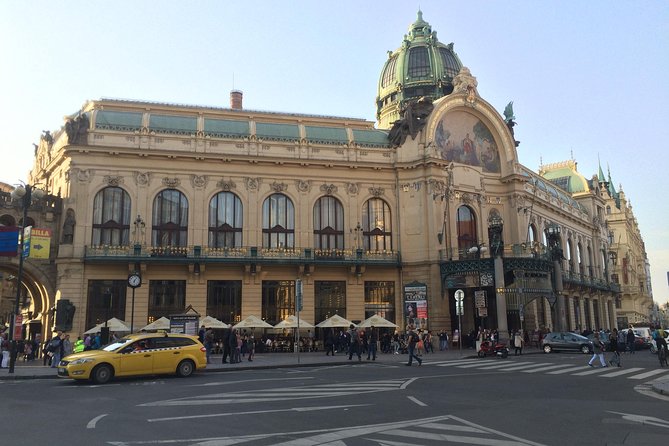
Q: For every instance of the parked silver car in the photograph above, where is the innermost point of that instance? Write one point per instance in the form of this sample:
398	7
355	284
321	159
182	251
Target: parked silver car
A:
565	341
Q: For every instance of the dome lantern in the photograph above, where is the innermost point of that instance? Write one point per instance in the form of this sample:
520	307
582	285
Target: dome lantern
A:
421	67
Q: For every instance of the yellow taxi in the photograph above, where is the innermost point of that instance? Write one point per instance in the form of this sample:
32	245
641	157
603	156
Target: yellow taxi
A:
135	355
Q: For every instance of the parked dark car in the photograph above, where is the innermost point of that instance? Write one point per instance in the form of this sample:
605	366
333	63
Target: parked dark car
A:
566	341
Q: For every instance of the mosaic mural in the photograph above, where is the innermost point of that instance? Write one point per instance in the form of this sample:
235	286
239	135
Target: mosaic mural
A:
463	138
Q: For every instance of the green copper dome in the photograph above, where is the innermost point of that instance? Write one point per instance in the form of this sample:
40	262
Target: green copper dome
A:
422	66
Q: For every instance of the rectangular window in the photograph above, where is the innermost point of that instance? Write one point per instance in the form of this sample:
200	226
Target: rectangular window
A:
106	299
278	300
166	297
380	299
330	299
224	300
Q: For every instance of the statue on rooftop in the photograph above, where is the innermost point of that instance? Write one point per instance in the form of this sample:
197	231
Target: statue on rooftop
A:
413	120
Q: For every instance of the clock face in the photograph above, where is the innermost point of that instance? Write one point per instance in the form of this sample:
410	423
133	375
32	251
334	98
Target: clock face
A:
134	280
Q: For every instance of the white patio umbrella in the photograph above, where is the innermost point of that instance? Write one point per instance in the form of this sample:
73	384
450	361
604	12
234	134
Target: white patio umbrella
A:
114	325
252	322
376	321
334	321
291	322
159	324
212	322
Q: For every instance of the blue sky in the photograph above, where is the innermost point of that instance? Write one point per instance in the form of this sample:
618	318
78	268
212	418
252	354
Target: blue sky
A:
589	80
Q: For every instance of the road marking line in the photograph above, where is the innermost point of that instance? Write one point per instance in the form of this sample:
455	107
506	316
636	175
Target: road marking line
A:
570	369
543	369
524	366
91	424
417	401
622	372
647	374
504	364
593	371
253	412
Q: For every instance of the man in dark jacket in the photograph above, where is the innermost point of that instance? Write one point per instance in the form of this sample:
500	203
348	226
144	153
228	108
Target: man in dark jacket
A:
630	339
226	345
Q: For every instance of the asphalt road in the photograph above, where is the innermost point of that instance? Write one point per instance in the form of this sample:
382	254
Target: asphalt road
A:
531	400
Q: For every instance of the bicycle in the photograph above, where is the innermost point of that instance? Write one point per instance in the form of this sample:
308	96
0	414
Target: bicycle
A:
662	355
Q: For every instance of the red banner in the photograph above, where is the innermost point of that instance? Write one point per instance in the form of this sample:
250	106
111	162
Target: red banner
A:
18	327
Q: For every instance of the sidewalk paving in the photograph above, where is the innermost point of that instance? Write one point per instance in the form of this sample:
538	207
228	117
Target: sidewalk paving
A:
35	370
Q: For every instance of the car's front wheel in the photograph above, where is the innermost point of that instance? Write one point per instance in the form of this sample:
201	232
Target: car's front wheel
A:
185	368
102	374
548	348
585	349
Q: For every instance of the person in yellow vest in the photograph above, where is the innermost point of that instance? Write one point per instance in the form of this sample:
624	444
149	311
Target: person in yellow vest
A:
78	345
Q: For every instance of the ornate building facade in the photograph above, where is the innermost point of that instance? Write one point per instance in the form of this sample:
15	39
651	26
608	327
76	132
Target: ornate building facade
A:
223	209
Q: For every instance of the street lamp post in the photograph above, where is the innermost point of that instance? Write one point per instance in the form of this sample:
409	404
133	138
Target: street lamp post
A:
555	245
24	194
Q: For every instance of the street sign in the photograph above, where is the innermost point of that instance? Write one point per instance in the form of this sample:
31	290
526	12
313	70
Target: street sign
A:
298	294
459	307
479	298
18	327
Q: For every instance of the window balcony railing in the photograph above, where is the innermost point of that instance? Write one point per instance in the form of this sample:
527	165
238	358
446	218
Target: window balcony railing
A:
247	253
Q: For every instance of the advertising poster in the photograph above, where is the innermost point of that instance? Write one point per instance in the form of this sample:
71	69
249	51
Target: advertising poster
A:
9	240
415	305
40	243
186	324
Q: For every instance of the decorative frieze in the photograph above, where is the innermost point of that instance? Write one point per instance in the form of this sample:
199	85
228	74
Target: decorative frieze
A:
279	187
226	186
303	185
198	181
251	183
171	182
142	178
376	191
352	188
328	189
113	180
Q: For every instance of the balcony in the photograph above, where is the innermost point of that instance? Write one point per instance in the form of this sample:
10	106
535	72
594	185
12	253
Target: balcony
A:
250	254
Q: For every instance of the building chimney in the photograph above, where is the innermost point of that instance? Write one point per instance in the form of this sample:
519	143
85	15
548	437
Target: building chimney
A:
236	99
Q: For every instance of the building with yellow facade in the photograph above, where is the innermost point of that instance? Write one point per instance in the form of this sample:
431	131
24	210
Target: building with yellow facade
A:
223	209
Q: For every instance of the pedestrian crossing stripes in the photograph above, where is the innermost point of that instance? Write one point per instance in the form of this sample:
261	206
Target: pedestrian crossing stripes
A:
287	393
549	368
431	431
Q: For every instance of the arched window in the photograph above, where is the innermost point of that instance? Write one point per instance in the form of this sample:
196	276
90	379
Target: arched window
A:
377	234
111	217
579	258
328	224
7	220
278	222
170	219
225	221
570	254
531	234
466	228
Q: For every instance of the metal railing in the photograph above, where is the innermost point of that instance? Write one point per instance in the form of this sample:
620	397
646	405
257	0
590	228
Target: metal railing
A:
247	253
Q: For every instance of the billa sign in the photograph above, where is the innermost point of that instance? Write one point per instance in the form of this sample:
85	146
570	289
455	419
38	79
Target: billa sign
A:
40	243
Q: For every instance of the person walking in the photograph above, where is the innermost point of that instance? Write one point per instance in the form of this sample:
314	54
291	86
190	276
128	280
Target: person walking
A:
208	338
412	340
599	352
614	347
630	339
373	340
518	342
226	345
56	349
79	345
329	342
251	347
354	343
